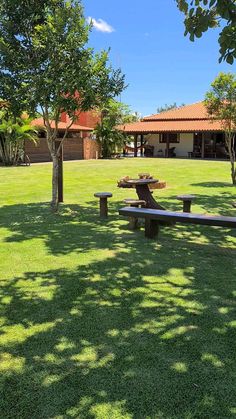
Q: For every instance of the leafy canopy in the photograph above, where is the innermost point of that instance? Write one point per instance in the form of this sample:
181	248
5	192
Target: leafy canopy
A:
13	133
220	102
200	15
113	113
45	60
168	107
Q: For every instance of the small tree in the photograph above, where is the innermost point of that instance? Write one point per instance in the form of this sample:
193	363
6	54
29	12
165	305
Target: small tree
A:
169	107
46	65
200	15
107	133
13	133
220	102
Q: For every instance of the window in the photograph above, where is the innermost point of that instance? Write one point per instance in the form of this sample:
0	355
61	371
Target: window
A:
169	136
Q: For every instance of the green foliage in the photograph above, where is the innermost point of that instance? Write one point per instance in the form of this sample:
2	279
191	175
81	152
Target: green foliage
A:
13	133
112	114
200	15
45	62
221	105
167	107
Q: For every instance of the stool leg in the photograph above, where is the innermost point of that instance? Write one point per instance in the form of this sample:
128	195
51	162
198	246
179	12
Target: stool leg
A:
133	222
151	228
187	206
103	208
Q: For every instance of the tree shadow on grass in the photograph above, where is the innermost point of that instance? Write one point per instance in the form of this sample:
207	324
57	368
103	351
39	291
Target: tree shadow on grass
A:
116	340
146	332
220	204
214	184
78	228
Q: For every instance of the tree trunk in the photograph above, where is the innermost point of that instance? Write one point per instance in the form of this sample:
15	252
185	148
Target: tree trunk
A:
233	171
230	142
55	164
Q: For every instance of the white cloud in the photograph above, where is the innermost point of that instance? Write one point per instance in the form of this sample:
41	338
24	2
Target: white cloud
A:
100	25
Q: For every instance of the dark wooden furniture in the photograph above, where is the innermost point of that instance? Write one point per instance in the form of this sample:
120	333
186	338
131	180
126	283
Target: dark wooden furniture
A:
148	150
187	201
143	191
103	196
154	218
135	203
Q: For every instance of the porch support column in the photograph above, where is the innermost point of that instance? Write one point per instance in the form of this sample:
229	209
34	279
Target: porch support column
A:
203	145
142	145
167	146
135	145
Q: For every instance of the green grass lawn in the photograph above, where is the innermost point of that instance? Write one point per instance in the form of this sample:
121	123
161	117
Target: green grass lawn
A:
100	322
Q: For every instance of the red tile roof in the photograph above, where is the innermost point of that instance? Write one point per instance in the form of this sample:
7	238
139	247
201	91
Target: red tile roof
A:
171	126
190	118
61	126
194	111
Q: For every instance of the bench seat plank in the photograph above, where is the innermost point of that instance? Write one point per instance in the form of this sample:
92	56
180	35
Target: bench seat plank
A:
179	217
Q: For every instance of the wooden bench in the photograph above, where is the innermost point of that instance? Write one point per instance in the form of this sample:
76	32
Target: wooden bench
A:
153	219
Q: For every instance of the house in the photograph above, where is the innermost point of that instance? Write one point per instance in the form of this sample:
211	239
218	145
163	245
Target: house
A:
78	145
187	131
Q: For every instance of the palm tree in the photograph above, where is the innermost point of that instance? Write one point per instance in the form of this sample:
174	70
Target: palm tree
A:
13	133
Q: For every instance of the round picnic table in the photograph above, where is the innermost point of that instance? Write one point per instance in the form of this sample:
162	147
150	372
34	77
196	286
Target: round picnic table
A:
143	192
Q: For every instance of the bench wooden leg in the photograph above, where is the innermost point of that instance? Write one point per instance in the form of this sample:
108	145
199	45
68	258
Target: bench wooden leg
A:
151	228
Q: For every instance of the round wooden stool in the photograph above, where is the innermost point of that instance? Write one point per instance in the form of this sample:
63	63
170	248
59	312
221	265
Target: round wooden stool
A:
133	222
187	201
103	196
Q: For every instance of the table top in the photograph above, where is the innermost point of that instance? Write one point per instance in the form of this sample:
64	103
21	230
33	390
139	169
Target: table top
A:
141	181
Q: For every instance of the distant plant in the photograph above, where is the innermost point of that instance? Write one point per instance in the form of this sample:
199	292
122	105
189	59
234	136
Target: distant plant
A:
220	102
13	133
113	114
200	15
167	107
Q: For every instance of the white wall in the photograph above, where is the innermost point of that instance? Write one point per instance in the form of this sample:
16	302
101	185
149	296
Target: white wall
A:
181	149
185	145
153	139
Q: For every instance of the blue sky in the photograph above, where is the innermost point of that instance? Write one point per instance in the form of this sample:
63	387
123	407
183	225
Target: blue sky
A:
147	41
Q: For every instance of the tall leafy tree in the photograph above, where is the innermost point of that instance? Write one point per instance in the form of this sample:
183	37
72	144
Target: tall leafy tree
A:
46	65
200	15
221	105
113	114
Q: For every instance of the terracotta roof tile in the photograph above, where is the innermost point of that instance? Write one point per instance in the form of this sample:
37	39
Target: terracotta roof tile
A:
61	126
171	126
194	111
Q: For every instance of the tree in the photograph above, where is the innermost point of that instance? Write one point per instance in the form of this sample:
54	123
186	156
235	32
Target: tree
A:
200	15
46	66
167	107
220	102
13	133
113	114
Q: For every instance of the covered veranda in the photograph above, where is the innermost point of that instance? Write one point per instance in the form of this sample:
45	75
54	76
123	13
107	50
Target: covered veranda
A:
193	139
